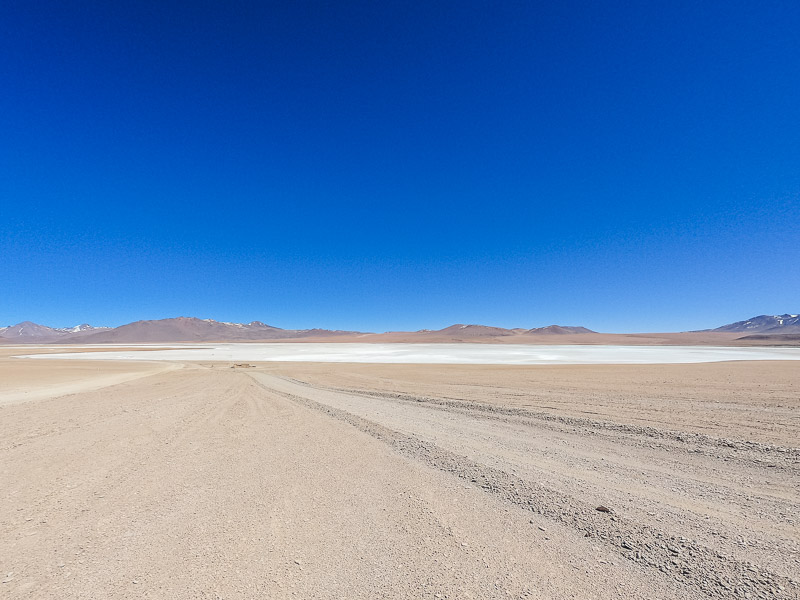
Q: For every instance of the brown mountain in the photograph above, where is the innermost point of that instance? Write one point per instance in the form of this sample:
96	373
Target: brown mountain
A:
190	329
180	329
28	332
322	333
472	331
558	330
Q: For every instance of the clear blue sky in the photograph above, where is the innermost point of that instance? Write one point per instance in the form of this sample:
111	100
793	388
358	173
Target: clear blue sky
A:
400	165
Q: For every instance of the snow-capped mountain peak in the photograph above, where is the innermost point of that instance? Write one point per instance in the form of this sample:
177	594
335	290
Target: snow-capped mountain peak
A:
81	327
787	323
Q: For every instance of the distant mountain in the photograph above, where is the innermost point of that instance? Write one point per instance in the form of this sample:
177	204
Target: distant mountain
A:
185	329
84	328
558	330
470	331
191	329
316	332
765	324
462	332
28	332
180	329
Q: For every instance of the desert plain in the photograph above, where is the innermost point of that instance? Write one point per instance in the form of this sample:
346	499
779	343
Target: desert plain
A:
215	479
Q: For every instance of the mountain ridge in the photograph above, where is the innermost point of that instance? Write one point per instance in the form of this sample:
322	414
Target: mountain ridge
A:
558	330
28	330
786	323
193	329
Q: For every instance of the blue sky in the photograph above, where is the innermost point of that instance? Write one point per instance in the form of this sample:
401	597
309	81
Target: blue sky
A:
382	166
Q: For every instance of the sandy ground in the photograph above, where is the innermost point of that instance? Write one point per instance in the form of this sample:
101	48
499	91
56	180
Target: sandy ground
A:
758	401
297	480
22	380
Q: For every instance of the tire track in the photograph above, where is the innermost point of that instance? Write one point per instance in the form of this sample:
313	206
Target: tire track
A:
694	565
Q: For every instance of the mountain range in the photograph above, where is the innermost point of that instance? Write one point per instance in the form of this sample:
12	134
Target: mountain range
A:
191	329
180	329
28	332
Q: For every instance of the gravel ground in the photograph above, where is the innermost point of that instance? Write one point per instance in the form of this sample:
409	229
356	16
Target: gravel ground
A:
258	482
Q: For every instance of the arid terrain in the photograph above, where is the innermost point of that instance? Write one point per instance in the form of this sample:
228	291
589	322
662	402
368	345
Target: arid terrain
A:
310	480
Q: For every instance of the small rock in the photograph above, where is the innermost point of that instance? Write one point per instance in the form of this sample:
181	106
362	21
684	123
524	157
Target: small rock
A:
542	528
603	509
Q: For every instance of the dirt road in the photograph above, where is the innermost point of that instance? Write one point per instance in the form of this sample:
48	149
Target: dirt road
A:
227	483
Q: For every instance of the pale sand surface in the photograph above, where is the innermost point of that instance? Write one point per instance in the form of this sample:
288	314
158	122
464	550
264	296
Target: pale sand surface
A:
299	480
22	380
